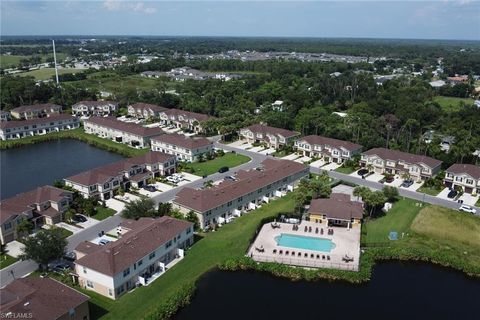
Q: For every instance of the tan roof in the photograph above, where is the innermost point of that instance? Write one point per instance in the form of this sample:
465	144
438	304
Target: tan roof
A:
142	106
92	103
136	129
183	141
21	123
44	298
247	181
470	169
338	206
260	128
187	114
26	201
395	155
324	141
116	256
36	107
104	173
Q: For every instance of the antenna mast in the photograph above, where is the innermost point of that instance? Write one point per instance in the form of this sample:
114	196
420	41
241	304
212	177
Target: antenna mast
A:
55	61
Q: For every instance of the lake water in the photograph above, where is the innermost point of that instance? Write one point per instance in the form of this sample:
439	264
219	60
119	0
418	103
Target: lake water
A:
28	167
397	291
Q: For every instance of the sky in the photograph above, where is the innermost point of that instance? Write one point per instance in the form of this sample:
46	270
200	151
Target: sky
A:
434	19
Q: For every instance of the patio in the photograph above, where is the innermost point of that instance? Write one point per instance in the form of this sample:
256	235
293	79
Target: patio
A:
346	241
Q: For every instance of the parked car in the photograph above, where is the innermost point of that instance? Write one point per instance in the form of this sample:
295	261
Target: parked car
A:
70	256
389	179
229	178
60	266
407	183
103	242
223	169
173	179
362	172
79	218
468	209
452	194
150	188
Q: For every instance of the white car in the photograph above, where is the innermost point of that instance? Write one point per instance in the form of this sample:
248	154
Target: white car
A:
468	209
173	179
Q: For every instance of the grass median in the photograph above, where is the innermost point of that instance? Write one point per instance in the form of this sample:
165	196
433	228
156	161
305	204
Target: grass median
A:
209	167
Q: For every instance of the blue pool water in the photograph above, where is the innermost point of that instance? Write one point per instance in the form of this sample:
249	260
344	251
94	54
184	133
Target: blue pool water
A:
304	242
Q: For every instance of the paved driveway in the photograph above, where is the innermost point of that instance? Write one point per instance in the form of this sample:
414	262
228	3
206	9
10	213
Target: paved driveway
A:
469	199
257	149
267	151
292	156
317	164
331	166
14	248
115	204
373	177
395	183
414	186
69	227
443	194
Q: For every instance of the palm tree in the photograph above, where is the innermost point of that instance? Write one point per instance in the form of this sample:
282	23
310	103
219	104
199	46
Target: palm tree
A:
69	215
369	167
24	228
207	184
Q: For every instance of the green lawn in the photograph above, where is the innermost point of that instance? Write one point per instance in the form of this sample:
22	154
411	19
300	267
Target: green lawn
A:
398	219
6	260
103	213
429	190
211	166
47	73
66	233
9	61
345	170
451	103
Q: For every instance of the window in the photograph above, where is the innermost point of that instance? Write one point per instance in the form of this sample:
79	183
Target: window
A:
110	292
126	272
115	183
25	127
152	255
169	244
140	262
458	179
106	185
89	284
93	188
189	230
240	199
84	270
229	203
8	226
469	181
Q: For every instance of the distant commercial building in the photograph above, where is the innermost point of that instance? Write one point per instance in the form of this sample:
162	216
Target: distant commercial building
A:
273	137
183	147
464	176
132	134
94	108
27	128
329	149
145	110
35	111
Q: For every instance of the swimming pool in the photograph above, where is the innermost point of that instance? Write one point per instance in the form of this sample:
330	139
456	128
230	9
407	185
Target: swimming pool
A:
304	242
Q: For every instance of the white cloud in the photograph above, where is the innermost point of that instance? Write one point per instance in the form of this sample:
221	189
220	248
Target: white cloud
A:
119	5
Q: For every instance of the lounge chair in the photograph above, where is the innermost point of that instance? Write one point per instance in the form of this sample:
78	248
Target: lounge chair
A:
323	257
299	254
280	252
316	230
312	255
287	252
293	253
321	231
305	255
274	251
328	258
306	228
309	229
318	256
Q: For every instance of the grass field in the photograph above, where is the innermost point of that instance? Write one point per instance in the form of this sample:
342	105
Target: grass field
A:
451	104
8	61
346	170
398	219
47	73
103	213
6	260
211	166
428	190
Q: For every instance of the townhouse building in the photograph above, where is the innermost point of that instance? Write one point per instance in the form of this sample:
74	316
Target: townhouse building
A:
104	182
131	134
465	176
383	160
271	136
183	147
139	256
44	205
249	190
185	120
4	115
35	111
145	110
329	149
94	108
42	299
27	128
338	210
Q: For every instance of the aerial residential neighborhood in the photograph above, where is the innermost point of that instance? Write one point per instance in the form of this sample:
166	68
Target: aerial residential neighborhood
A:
239	160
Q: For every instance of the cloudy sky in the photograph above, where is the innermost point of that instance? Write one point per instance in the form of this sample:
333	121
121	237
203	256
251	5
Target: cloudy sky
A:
434	19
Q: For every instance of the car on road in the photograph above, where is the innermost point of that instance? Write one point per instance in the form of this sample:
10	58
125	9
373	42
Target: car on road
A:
223	169
407	183
452	194
79	218
468	209
362	172
103	242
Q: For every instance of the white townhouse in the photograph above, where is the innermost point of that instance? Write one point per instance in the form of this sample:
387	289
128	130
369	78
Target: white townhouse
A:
185	120
397	162
330	150
145	110
139	256
105	181
43	205
27	128
94	108
273	137
4	115
35	111
132	134
183	147
249	190
465	176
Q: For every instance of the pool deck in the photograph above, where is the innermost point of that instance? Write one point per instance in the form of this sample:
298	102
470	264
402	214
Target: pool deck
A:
347	242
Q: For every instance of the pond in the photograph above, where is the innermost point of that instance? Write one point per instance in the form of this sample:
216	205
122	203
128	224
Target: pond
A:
25	168
397	291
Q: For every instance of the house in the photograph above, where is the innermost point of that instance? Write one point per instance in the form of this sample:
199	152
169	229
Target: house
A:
458	79
42	299
389	161
329	149
35	111
32	127
464	176
139	256
185	120
183	147
132	134
4	115
43	205
337	210
145	110
94	108
152	74
249	190
277	105
273	137
105	181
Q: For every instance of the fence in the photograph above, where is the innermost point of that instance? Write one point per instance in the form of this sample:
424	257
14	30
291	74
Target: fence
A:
310	262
